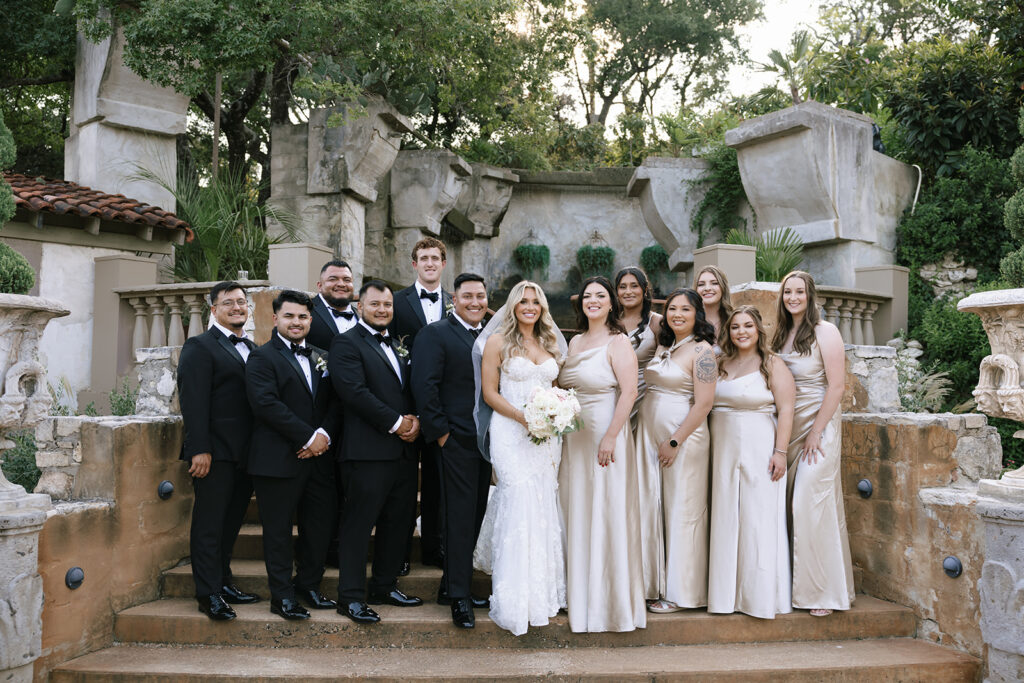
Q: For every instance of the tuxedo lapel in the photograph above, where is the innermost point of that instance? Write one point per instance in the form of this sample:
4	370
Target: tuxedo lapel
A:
446	302
292	360
325	315
460	331
412	298
375	345
227	346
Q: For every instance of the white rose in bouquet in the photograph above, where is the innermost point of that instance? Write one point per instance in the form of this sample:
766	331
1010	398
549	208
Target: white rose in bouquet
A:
550	412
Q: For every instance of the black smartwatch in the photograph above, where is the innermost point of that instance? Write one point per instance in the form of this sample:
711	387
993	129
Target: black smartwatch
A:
673	443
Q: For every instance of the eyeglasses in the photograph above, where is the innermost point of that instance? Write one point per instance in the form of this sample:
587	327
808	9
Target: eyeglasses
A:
230	303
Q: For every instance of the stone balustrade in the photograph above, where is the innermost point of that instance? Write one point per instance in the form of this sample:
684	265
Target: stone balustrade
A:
853	312
167	315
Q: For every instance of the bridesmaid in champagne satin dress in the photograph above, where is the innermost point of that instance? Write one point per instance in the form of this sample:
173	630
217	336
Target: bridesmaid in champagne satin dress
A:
674	447
749	569
713	287
813	350
642	325
597	478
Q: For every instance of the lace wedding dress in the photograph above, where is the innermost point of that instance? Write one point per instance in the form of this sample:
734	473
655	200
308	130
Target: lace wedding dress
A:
521	541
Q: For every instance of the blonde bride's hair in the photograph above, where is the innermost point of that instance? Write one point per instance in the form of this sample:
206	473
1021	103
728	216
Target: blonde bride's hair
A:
543	329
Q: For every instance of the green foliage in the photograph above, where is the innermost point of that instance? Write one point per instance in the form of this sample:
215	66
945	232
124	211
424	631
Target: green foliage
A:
718	209
778	251
595	261
1012	267
951	95
578	148
654	260
229	226
533	258
19	464
16	275
794	66
1013	449
953	343
960	214
122	399
7	156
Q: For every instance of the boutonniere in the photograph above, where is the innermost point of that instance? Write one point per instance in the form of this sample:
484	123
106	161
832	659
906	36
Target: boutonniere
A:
321	363
400	349
449	307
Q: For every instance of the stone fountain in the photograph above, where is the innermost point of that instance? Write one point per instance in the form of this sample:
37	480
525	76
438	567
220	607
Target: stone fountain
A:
24	401
1001	503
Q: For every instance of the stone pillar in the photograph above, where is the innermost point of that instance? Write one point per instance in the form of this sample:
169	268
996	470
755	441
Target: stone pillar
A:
892	281
327	171
297	266
735	260
120	122
158	390
667	201
812	168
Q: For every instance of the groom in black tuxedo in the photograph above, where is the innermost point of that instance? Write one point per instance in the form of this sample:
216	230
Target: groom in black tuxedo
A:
296	418
378	470
444	389
218	423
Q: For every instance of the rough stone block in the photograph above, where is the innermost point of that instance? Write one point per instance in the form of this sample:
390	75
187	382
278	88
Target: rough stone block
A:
67	426
44	430
52	459
56	484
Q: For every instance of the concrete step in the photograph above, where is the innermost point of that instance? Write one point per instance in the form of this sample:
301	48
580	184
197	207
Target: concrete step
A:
893	660
251	576
249	545
177	620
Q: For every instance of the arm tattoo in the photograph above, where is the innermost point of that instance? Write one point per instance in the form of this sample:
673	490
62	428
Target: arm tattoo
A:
707	368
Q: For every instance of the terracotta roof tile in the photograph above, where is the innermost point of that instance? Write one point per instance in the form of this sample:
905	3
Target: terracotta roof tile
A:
65	197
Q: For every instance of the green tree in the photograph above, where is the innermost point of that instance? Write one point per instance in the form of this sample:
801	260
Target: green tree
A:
7	156
793	67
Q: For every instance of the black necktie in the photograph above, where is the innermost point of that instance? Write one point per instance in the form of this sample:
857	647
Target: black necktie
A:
235	339
347	315
424	294
301	350
381	339
475	332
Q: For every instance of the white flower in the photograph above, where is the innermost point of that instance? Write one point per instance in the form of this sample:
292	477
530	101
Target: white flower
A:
551	412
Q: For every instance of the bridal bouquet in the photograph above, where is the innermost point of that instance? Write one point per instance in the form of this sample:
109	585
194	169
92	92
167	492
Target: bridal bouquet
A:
551	412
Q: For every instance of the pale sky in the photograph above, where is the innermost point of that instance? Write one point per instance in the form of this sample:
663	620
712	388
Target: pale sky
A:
782	19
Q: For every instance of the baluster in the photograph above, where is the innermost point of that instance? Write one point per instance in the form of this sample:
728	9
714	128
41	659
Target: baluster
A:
140	336
832	310
195	313
858	321
845	308
157	331
869	323
175	331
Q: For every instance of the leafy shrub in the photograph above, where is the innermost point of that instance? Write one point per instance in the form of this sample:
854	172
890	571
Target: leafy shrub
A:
778	251
533	258
1013	449
7	156
19	464
654	260
718	209
595	261
16	275
122	400
1012	267
955	343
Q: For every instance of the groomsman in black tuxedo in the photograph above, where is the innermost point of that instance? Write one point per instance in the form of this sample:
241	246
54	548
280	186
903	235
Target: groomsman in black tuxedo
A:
218	424
296	418
423	303
371	376
333	312
445	392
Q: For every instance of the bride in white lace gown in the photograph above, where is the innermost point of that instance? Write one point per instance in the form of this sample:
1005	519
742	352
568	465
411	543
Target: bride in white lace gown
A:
521	543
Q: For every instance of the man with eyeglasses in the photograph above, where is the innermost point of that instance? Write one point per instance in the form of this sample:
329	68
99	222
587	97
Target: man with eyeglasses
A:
218	424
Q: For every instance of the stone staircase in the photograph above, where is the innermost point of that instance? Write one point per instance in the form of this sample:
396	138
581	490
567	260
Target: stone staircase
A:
170	640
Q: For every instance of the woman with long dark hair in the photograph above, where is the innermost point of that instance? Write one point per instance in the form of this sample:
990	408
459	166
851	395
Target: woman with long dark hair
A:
633	289
597	479
813	350
673	447
750	427
713	287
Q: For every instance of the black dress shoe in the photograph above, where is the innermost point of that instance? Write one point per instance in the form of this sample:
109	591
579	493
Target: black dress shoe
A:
462	613
478	603
289	609
235	596
214	607
359	612
315	599
394	597
404	569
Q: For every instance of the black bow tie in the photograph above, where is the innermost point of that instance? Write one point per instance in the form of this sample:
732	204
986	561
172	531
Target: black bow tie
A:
347	315
301	350
235	339
382	339
475	332
424	294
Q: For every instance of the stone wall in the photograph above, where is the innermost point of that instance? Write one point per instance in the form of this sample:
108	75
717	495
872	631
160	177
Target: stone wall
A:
118	530
924	470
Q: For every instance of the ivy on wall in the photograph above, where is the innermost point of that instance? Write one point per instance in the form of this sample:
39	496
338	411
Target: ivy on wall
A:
533	258
595	261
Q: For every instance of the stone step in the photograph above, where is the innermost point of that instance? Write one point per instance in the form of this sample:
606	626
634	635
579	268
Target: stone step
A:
251	576
177	620
249	545
899	659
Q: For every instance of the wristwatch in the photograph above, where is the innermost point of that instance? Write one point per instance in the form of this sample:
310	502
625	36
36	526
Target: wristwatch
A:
673	443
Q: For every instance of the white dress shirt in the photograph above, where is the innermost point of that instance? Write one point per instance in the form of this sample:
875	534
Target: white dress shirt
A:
465	324
341	323
241	347
393	358
432	310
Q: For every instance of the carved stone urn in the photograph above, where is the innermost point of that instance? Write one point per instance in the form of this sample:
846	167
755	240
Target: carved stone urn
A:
24	401
1001	503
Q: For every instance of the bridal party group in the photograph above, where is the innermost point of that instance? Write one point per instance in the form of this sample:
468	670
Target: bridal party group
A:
702	469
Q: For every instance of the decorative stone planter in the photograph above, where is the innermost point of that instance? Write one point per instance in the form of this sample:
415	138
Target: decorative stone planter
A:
1001	503
24	401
